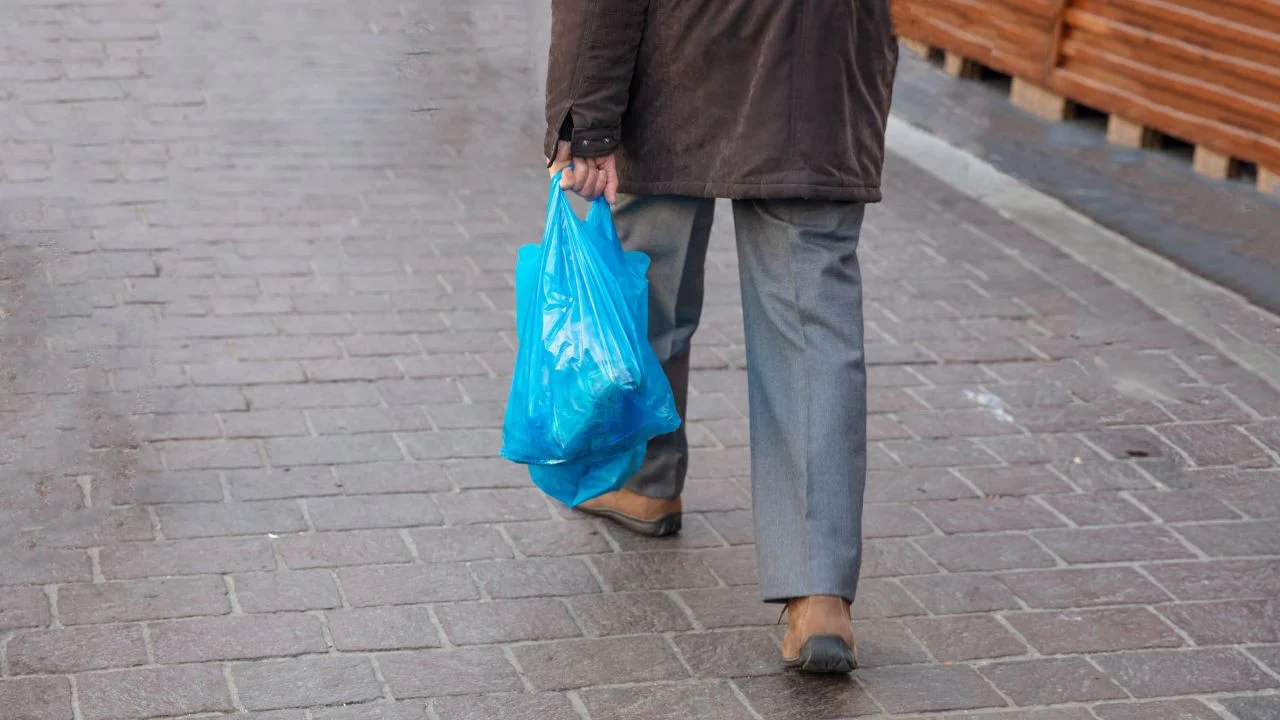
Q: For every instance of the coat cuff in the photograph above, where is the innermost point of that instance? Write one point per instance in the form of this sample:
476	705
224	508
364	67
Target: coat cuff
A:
596	142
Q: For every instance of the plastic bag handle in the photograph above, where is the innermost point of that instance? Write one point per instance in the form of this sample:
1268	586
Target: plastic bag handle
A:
559	210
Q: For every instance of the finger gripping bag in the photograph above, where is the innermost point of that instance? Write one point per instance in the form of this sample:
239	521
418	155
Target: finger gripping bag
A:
587	392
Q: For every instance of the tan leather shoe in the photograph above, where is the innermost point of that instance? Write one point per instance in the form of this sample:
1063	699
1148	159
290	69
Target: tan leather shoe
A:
654	517
819	635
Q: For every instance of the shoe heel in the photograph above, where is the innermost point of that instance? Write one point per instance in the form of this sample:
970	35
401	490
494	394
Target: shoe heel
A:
669	525
826	654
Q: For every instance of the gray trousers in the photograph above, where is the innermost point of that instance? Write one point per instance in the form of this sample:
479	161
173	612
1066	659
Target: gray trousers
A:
802	307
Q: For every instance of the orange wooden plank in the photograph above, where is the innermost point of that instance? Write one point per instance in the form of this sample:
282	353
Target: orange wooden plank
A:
991	33
1152	59
1189	26
1251	16
996	23
977	48
1257	8
1186	92
1119	36
980	11
1045	9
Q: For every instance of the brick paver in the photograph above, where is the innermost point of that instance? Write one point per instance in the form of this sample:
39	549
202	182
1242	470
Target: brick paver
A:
256	309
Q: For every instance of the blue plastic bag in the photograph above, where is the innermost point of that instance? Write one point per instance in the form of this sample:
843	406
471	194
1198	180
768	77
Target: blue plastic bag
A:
574	483
588	393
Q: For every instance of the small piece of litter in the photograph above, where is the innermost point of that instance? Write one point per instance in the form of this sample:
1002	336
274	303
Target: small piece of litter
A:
992	403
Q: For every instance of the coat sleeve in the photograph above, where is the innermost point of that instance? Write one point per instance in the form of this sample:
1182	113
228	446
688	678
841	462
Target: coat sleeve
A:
594	44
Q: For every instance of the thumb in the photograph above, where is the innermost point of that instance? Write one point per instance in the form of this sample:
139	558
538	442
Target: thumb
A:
563	157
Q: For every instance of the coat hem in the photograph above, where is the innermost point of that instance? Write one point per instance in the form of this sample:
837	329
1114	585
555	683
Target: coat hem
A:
753	191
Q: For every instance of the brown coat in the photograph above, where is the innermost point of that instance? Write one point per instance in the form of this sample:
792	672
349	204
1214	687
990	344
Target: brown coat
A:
726	98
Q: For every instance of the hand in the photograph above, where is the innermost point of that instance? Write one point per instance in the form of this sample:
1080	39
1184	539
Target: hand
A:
589	177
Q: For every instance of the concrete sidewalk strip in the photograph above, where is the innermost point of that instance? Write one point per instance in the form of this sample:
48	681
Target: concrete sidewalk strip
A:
257	316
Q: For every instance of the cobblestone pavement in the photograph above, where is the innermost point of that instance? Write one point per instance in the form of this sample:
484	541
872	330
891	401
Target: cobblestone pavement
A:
256	303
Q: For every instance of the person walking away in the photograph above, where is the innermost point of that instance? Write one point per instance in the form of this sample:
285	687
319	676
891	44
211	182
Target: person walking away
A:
781	106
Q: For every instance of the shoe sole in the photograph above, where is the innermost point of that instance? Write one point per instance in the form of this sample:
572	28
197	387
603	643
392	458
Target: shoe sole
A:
662	527
825	655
